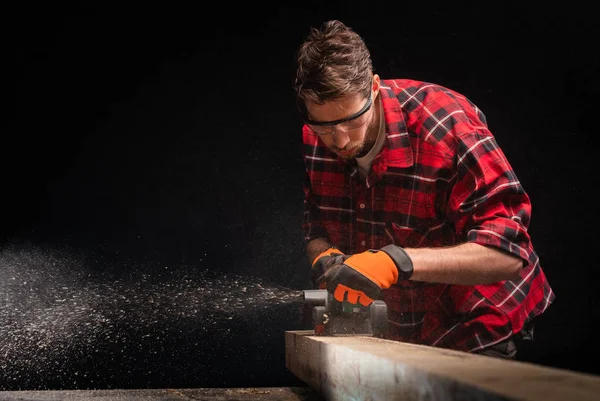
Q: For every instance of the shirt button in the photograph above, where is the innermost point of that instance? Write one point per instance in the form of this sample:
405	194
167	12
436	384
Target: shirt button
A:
362	205
363	243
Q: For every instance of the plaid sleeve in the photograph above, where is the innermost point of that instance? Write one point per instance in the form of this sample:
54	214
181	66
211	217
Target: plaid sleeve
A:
487	202
311	223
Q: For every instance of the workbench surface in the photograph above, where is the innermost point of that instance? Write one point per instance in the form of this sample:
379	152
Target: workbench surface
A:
201	394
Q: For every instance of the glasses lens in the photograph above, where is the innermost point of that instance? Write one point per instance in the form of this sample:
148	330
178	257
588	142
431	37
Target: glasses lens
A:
322	129
356	123
348	126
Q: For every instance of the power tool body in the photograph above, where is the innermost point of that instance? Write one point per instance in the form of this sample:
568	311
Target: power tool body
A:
331	317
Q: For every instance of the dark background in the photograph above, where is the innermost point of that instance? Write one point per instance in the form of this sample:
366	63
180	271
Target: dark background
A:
168	134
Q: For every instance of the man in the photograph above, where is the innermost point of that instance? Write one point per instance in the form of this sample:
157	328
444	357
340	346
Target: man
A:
409	199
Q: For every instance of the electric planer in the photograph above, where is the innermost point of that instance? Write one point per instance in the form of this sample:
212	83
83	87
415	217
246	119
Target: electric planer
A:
331	317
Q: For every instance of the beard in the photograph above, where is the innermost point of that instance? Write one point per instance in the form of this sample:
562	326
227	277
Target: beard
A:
352	149
360	149
370	138
365	147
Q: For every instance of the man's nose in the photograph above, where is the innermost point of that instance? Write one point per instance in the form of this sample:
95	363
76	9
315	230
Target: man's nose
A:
340	138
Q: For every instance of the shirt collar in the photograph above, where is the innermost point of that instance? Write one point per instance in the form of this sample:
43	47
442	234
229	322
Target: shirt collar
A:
397	152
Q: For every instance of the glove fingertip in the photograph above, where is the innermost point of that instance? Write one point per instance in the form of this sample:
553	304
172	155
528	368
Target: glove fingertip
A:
365	300
340	294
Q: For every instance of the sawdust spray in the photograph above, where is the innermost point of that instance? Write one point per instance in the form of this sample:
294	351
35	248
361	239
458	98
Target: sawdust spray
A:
66	325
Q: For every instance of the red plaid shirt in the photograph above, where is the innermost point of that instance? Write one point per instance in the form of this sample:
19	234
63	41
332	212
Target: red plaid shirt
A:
440	180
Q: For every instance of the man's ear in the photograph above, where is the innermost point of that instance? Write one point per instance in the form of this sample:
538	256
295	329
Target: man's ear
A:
376	83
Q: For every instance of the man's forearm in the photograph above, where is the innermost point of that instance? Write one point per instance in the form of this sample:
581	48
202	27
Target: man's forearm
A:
315	247
465	264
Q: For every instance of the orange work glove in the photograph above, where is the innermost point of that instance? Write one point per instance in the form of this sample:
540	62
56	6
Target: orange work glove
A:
323	262
362	276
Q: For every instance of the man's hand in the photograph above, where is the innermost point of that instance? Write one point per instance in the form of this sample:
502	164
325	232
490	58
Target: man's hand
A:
362	276
325	261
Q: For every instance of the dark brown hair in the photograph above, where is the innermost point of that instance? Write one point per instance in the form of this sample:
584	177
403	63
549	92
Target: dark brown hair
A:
332	62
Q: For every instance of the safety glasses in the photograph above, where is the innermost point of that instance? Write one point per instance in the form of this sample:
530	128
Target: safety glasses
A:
350	123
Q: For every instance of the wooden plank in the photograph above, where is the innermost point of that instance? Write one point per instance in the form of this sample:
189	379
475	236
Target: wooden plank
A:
198	394
368	368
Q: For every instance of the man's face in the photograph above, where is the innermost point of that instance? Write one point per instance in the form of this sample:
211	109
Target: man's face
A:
346	139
